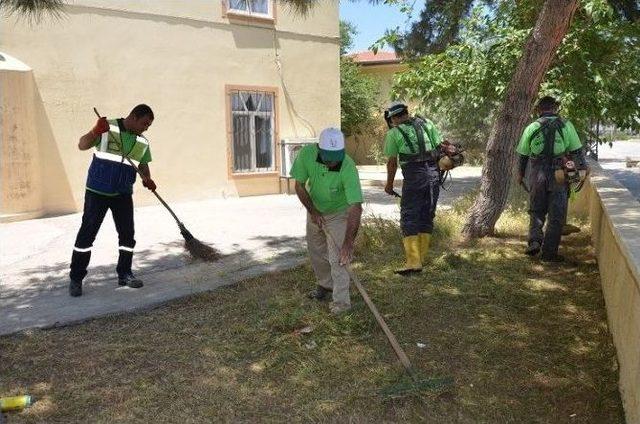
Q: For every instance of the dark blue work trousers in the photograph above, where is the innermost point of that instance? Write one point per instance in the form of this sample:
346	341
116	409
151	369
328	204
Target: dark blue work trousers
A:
95	209
420	191
548	202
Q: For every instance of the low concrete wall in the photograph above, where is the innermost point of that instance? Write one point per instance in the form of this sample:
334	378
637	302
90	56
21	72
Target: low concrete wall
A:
615	224
20	180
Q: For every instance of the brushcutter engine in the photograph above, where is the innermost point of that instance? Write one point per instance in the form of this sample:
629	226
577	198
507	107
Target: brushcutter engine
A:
569	174
450	156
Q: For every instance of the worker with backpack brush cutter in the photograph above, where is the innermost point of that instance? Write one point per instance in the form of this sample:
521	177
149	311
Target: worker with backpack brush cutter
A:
552	149
416	144
110	186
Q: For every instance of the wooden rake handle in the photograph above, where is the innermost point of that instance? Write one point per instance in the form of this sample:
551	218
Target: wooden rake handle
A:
402	356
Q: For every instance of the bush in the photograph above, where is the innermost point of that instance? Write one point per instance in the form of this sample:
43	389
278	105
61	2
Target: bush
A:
358	94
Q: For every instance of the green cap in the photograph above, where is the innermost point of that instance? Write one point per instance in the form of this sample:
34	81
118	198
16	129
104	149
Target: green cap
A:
331	155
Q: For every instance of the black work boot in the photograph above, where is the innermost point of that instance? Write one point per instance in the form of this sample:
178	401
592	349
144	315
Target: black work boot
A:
569	229
75	288
320	293
533	249
551	257
130	280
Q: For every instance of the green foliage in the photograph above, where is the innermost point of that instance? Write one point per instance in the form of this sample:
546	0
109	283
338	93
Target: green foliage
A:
595	73
358	92
32	10
347	32
437	27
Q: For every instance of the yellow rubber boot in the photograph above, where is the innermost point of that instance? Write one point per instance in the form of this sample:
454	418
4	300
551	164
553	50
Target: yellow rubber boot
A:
425	242
412	253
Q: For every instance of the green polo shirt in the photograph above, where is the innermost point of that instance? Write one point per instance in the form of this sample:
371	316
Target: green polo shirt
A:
330	191
395	143
533	144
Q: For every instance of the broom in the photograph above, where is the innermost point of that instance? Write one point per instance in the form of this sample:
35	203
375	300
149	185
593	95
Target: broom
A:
195	247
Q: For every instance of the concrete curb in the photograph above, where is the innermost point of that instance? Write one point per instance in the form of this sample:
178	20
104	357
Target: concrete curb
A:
54	311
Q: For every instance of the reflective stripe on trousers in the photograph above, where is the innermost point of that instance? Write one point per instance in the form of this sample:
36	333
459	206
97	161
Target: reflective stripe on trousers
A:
95	209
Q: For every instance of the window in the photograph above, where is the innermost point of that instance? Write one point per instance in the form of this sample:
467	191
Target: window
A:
260	8
252	131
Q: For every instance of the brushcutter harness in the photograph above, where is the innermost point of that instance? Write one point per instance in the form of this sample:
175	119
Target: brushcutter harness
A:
447	155
564	167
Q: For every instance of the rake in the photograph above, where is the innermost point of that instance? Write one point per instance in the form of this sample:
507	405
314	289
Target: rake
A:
415	383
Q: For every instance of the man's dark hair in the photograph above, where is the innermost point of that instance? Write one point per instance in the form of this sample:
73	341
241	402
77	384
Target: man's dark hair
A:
142	110
547	103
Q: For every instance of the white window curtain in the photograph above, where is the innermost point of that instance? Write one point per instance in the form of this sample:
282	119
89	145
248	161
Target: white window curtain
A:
253	131
260	7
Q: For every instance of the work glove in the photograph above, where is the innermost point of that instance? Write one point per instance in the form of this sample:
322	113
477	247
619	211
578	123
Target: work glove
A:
102	126
148	183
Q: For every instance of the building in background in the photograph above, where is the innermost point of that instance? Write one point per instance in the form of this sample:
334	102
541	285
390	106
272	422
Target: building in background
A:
227	81
382	66
366	148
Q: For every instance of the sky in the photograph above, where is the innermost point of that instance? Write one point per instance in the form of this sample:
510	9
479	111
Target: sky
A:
372	21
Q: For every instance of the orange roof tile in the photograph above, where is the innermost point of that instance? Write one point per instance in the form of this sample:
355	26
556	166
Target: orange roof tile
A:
369	58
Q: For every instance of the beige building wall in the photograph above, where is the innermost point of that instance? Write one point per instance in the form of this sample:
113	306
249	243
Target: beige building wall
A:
179	57
384	74
29	159
20	156
615	226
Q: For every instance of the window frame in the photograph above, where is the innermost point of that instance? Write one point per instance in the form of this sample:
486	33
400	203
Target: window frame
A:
229	91
269	17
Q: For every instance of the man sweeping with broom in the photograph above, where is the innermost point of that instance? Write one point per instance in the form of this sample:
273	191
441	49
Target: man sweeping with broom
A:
110	186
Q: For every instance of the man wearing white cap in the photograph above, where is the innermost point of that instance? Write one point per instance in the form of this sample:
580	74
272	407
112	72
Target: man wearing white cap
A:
328	186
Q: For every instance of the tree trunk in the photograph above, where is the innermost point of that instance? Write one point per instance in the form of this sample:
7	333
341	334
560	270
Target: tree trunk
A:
551	27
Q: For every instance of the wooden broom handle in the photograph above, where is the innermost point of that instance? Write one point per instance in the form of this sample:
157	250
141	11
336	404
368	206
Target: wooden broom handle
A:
143	176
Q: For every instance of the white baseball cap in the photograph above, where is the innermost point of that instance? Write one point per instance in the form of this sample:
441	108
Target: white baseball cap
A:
331	145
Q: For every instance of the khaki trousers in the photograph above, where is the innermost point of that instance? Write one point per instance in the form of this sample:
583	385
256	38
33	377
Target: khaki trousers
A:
325	258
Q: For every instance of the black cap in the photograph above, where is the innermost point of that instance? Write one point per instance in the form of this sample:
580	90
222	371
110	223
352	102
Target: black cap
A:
547	103
397	108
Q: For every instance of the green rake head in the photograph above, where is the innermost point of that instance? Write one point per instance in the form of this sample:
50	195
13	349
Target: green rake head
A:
415	385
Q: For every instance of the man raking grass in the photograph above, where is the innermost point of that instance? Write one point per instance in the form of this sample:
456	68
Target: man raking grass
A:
328	185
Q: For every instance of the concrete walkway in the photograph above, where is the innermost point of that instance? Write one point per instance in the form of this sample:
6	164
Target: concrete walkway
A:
257	235
613	160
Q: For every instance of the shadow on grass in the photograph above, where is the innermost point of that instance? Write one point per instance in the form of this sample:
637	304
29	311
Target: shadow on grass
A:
525	342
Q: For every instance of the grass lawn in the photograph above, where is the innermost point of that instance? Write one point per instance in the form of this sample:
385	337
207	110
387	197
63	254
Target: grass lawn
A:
523	342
